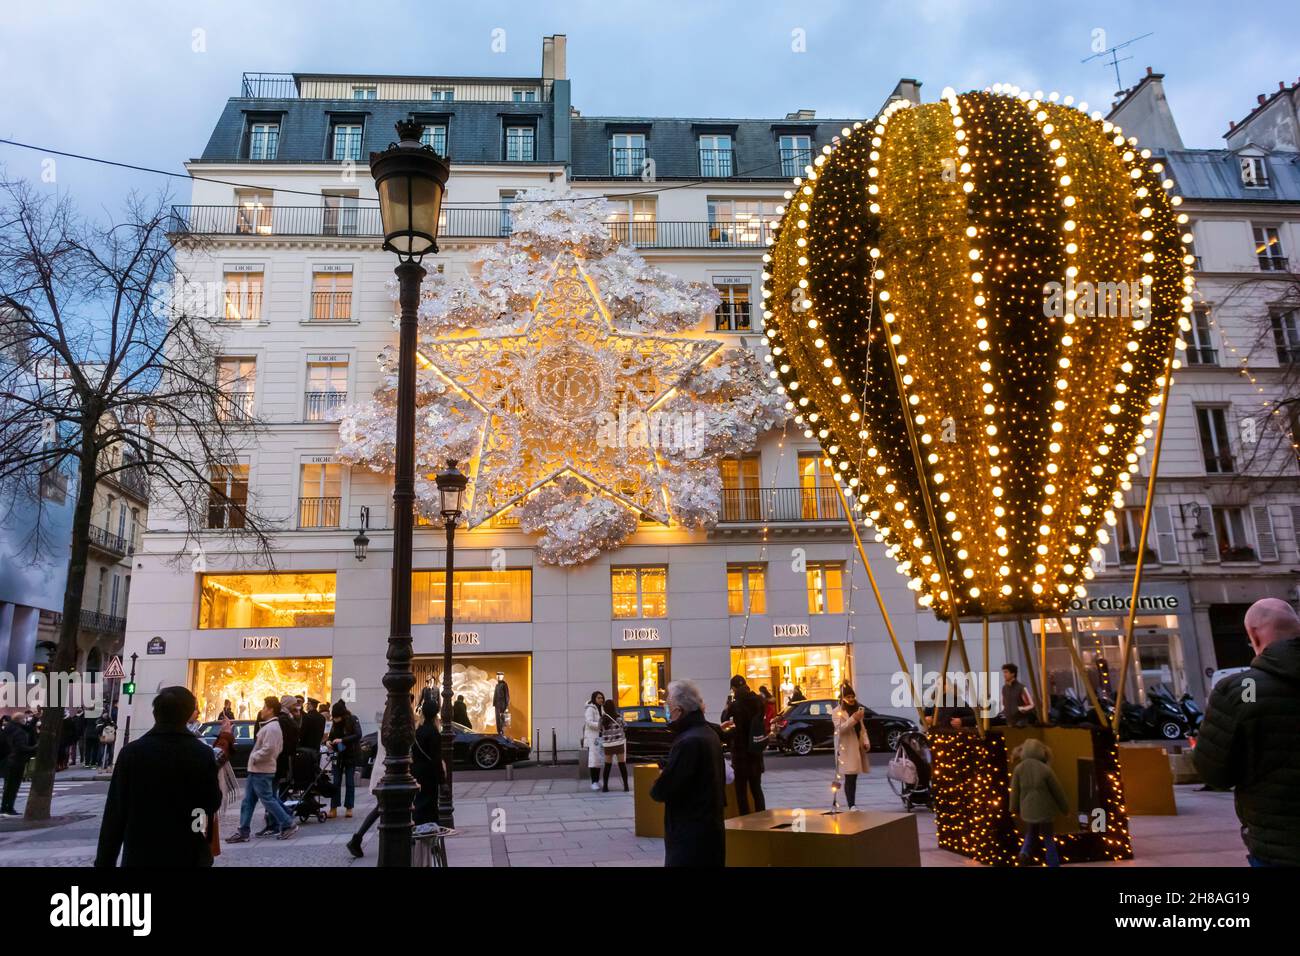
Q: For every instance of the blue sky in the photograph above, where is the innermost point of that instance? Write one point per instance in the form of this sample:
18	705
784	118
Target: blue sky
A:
125	80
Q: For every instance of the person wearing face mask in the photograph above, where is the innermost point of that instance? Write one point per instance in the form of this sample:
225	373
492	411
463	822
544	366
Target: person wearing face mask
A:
591	715
692	784
851	743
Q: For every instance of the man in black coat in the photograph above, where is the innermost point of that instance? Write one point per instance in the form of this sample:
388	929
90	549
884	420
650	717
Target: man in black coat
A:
743	722
692	784
1247	740
312	730
163	794
16	748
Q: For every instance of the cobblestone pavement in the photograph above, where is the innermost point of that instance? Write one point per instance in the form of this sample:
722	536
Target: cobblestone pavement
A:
561	822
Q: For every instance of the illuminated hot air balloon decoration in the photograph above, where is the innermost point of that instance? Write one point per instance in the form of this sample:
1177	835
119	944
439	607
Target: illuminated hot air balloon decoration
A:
972	305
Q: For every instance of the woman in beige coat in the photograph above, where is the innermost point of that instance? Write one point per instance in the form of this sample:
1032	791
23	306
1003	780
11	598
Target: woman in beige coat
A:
851	744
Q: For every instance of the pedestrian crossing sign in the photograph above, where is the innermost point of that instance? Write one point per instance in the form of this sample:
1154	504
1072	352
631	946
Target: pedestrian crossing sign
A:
114	669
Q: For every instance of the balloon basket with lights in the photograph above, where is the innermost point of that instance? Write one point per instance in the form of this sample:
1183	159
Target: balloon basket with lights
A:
971	786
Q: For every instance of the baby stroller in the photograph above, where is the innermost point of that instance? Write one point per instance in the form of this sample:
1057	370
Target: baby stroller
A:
909	770
308	794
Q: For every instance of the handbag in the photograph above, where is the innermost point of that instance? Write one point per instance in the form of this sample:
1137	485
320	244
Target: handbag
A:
902	769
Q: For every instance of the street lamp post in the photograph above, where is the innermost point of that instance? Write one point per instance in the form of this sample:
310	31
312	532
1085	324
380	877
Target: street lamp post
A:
410	180
451	489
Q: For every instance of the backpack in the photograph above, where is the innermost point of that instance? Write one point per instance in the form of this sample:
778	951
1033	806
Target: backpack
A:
757	740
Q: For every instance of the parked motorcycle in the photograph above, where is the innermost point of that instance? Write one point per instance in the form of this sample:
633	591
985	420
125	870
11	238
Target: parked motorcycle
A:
1187	706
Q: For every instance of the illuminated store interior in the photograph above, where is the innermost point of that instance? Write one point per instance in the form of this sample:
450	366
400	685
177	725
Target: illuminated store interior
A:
247	683
641	679
266	600
818	671
478	596
474	676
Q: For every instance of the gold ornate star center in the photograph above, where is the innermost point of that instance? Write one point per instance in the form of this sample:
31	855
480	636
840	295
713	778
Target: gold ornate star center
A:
550	393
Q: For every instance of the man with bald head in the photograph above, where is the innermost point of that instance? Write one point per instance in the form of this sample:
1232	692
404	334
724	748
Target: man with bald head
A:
1250	738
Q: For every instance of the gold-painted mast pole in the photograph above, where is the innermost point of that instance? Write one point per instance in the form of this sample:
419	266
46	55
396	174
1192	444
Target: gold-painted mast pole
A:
1029	657
1142	541
984	711
880	601
1042	667
1083	673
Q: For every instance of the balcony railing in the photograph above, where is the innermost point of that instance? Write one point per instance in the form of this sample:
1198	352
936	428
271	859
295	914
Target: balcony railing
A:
1202	355
1273	263
793	161
324	406
758	505
287	86
107	541
1288	354
235	406
102	623
243	306
363	221
318	512
226	514
626	160
715	162
331	306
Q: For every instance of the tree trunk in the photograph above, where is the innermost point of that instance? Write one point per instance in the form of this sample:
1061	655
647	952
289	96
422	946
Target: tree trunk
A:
65	656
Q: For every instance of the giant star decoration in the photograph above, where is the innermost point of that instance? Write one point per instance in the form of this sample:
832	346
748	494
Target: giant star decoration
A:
548	392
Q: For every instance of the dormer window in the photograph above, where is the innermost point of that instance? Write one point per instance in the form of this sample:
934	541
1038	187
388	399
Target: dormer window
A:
523	95
364	93
441	93
1254	171
263	140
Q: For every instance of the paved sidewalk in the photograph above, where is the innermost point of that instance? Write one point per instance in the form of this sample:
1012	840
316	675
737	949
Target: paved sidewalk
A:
559	821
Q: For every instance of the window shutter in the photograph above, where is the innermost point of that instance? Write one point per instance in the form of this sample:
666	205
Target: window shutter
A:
1265	541
1110	550
1295	525
1166	540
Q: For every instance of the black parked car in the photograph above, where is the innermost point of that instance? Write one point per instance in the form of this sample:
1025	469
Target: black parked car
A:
807	725
648	736
473	750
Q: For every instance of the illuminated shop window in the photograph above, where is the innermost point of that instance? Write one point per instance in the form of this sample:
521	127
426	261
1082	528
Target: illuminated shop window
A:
746	588
266	600
247	683
639	592
641	679
474	677
478	597
826	587
817	671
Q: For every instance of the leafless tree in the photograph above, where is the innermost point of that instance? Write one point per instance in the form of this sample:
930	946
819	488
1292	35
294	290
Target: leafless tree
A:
105	370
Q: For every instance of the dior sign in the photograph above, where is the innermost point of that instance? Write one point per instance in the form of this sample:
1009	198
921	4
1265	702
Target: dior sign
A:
464	638
640	633
790	630
269	643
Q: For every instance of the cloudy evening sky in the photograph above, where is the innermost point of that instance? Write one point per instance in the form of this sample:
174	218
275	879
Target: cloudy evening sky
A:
122	80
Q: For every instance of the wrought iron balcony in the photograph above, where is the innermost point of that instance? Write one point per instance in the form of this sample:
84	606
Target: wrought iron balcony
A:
764	505
1273	263
324	406
1202	355
235	406
331	306
626	160
318	512
102	623
793	161
487	224
716	162
107	541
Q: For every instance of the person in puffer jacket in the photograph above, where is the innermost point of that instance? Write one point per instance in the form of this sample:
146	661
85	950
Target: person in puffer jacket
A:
1037	797
1250	738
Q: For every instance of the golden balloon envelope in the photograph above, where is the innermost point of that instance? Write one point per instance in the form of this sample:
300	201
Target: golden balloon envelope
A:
972	306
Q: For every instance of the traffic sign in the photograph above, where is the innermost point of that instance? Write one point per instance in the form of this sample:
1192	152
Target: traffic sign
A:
114	669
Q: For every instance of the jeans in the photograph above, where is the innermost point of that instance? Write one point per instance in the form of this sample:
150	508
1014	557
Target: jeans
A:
851	789
1032	832
344	777
1256	861
261	786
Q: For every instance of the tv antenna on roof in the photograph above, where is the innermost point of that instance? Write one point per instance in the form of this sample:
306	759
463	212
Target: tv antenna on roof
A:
1115	59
